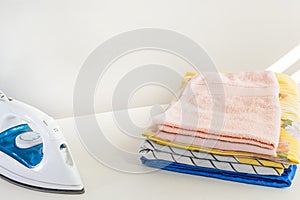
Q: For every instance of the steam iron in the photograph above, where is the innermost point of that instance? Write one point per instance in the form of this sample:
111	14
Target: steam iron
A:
33	151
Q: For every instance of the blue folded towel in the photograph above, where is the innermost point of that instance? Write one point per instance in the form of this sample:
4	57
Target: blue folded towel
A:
285	180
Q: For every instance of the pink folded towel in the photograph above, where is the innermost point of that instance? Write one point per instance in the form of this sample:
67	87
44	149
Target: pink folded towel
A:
210	143
240	108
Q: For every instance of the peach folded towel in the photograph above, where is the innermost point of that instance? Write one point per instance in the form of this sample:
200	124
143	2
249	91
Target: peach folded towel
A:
240	108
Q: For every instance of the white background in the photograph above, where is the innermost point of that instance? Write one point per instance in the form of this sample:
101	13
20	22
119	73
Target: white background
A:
43	44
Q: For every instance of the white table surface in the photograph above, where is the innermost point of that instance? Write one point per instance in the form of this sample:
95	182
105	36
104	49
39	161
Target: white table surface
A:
102	182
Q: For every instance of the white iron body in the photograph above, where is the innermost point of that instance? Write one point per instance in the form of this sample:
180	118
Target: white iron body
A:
56	172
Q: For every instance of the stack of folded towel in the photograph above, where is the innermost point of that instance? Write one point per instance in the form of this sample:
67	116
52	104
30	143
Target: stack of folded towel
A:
241	127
